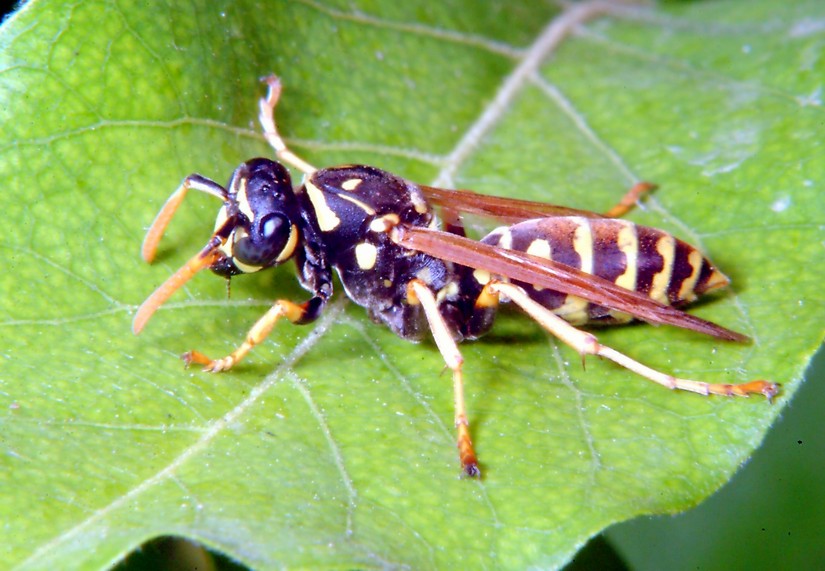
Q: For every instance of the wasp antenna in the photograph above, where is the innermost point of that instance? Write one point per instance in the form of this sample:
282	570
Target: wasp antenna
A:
167	211
201	260
267	119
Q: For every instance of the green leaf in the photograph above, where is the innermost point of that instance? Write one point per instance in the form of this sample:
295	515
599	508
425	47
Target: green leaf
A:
332	444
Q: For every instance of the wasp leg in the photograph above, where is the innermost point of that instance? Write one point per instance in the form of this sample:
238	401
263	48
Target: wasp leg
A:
587	344
630	199
167	211
267	120
419	293
294	312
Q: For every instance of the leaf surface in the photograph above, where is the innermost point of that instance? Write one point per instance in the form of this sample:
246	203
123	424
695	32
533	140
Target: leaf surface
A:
332	444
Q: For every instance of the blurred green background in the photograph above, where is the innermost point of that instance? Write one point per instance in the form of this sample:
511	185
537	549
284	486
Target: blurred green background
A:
771	515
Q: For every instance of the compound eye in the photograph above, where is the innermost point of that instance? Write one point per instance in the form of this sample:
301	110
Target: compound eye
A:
266	242
271	224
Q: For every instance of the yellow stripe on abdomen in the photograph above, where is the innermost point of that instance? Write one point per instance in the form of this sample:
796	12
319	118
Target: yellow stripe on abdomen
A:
574	309
666	247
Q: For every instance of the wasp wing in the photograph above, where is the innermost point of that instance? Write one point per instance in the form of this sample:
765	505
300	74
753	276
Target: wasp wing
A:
553	275
509	210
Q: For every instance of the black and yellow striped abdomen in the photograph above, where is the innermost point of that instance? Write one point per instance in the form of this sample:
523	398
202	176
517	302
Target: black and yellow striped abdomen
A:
638	258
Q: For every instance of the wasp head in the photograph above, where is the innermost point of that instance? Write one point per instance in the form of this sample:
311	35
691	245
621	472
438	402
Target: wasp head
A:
258	219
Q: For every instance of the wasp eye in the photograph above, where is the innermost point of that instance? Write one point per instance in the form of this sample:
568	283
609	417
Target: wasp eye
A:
265	241
270	225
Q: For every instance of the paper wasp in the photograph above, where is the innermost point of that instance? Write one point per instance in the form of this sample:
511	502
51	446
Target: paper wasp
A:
563	267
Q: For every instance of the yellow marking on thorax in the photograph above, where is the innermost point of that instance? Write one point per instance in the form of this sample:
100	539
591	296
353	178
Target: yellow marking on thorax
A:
351	184
384	223
666	246
417	197
366	255
686	289
481	276
327	219
360	204
574	308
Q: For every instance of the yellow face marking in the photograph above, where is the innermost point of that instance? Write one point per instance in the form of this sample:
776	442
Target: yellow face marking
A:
221	218
243	200
574	309
666	246
627	240
289	248
362	205
226	249
245	268
351	184
686	289
327	219
366	255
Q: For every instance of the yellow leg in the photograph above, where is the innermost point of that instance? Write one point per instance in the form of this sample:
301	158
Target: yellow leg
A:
259	332
418	292
267	120
629	200
587	344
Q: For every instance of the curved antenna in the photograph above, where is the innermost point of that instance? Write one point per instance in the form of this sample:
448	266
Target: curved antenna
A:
167	211
209	255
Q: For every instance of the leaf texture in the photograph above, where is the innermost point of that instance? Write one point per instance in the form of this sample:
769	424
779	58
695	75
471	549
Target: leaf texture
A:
332	445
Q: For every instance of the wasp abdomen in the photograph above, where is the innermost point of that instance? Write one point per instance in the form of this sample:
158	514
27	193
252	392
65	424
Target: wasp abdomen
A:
638	258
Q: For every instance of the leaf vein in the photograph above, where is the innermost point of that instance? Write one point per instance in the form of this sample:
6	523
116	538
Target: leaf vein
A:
211	432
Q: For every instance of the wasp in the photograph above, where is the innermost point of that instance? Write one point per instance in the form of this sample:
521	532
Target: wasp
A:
420	276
